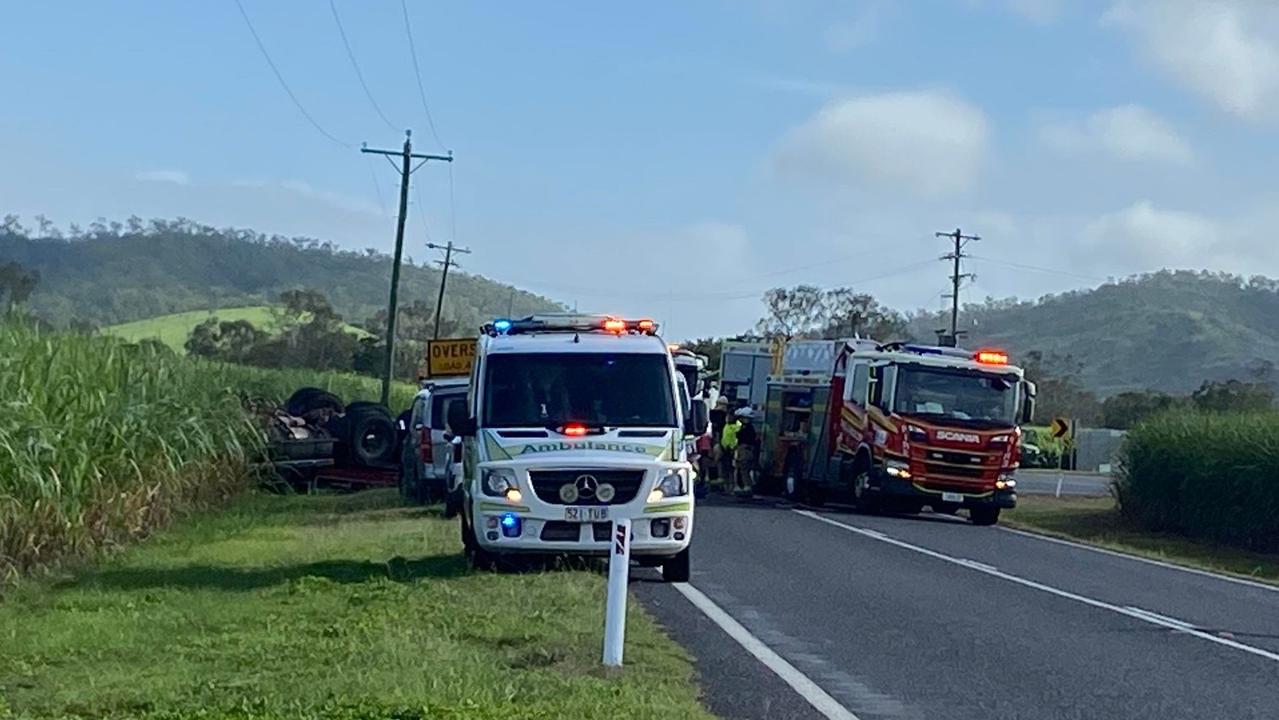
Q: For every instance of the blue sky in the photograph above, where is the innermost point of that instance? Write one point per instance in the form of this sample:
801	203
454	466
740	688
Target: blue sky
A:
676	158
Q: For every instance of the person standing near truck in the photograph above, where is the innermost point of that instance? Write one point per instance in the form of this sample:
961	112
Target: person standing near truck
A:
745	453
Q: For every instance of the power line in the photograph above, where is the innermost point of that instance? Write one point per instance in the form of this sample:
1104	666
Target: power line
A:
356	66
1037	268
377	186
425	229
297	103
417	71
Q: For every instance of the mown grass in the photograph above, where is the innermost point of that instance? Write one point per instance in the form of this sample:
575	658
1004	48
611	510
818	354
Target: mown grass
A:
102	441
174	329
1097	521
318	607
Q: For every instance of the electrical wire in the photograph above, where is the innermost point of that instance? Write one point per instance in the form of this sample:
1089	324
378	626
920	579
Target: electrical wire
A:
422	211
350	54
417	71
1037	268
287	90
377	186
452	206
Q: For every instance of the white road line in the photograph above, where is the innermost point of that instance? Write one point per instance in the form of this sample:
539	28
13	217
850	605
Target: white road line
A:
1142	615
821	701
1148	561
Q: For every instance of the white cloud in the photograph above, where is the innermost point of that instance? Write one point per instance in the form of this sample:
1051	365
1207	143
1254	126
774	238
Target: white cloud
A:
1226	51
1143	237
175	177
1127	132
922	142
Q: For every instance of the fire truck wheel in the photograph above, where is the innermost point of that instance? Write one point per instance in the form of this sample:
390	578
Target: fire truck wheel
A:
676	569
861	499
984	515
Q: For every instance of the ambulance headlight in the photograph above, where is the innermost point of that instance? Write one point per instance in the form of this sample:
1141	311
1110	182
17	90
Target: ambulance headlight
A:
498	480
673	484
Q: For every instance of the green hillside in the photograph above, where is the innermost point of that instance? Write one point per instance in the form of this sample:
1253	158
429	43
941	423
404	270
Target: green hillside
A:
1166	331
121	273
174	329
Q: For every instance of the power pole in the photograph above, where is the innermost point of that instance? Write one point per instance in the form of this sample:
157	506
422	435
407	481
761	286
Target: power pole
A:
406	169
446	263
956	278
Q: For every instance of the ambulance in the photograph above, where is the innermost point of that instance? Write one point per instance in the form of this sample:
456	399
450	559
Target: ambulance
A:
571	422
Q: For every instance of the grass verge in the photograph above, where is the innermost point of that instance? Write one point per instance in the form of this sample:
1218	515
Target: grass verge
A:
1096	521
325	606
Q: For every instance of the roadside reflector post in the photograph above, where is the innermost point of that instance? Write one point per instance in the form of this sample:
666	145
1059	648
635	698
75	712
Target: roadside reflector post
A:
619	565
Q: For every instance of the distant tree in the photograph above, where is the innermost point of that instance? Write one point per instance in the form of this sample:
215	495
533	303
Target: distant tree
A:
792	312
11	225
1233	396
710	347
228	340
1126	409
17	283
858	314
1060	392
203	340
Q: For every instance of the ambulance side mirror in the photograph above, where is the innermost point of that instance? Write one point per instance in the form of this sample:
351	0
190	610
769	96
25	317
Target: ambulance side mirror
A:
460	420
698	418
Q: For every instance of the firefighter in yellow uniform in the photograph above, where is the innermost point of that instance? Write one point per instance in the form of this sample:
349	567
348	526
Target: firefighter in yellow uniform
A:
746	440
727	448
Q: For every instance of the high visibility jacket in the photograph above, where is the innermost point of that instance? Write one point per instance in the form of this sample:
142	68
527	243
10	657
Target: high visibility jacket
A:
728	440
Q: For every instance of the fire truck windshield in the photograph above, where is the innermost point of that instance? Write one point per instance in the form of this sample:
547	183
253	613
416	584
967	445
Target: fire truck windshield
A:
970	397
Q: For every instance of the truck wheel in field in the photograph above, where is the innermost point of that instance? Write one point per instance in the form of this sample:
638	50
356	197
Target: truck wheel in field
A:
676	569
984	515
369	434
310	399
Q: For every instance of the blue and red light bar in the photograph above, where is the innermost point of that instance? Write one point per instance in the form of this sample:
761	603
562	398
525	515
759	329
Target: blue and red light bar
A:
607	323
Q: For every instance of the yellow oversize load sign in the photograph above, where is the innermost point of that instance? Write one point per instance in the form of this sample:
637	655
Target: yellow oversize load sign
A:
445	358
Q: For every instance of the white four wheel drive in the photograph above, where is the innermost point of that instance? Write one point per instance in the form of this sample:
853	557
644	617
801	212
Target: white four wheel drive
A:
573	422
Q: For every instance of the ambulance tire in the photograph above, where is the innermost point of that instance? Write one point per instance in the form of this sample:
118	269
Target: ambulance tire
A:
676	569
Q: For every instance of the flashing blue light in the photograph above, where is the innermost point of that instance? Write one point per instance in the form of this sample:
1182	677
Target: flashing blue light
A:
511	525
501	325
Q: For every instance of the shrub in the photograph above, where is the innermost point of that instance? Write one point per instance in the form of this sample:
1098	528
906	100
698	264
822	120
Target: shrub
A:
1205	475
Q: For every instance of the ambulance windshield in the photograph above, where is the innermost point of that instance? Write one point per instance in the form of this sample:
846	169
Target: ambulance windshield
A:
967	396
595	389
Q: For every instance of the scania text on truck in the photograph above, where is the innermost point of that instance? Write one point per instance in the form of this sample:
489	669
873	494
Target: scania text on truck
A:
573	421
902	426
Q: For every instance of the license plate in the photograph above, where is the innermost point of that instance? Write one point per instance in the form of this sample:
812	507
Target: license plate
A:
585	514
952	497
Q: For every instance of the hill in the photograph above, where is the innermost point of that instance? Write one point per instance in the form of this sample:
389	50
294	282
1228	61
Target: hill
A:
174	329
1168	331
117	274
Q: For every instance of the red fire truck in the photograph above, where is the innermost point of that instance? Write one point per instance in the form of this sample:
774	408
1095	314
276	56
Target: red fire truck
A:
898	427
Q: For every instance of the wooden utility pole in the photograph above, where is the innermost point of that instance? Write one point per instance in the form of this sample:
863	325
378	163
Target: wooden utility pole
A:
956	278
405	169
446	263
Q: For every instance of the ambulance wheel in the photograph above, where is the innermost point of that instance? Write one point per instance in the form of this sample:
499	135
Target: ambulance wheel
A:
984	515
676	569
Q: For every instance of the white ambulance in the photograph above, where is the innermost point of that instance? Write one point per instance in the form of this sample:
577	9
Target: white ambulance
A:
573	421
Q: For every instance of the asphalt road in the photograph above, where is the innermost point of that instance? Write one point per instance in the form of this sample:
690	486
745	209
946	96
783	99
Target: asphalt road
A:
1044	482
930	617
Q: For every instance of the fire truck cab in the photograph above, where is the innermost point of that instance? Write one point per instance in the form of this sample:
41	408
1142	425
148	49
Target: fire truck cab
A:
902	426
